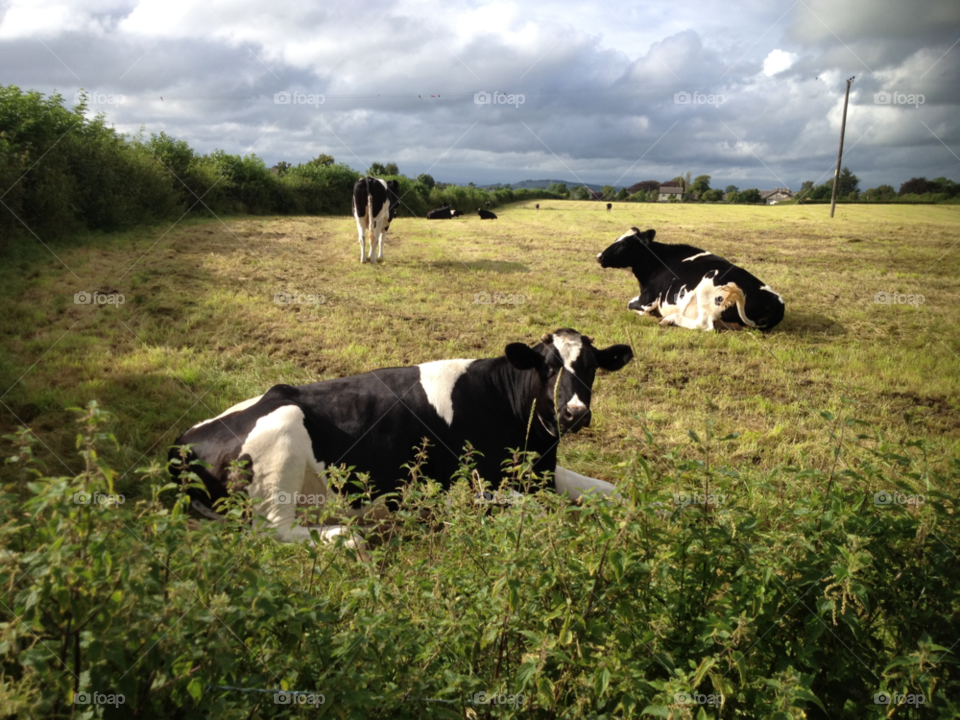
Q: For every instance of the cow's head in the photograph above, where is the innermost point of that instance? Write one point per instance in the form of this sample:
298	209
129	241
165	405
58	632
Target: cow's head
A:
628	251
393	195
567	363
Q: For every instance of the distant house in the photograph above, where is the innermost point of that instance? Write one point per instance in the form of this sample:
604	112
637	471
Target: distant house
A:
668	191
772	197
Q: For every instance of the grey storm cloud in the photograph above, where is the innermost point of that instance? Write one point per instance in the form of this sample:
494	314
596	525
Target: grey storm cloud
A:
603	88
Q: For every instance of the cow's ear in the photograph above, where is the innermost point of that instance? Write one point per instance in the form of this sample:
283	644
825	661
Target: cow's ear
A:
648	236
614	357
523	357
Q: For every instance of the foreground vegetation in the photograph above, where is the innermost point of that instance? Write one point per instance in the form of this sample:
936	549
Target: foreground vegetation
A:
751	600
790	590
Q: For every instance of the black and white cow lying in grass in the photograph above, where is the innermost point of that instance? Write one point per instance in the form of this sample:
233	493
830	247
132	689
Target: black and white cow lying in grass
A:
692	288
289	436
443	213
375	203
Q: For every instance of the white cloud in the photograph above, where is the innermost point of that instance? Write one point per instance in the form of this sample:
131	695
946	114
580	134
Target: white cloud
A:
778	61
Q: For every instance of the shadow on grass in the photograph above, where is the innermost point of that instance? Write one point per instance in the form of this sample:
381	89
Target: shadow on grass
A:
803	323
497	266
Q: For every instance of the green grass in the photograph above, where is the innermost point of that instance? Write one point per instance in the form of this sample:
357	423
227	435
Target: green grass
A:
199	329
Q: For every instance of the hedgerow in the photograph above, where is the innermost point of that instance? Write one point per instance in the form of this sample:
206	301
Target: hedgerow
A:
705	591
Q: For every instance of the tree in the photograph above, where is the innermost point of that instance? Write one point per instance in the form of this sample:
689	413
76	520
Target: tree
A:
608	192
805	189
882	193
946	185
646	186
560	189
678	181
281	168
426	180
750	195
733	196
583	193
323	160
377	169
622	195
712	196
822	192
731	189
700	185
392	169
917	186
848	183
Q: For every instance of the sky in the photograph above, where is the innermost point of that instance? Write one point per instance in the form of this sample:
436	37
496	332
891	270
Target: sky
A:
750	93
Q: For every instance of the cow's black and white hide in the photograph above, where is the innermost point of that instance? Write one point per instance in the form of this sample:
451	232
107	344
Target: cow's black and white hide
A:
376	203
443	213
690	287
609	207
289	436
537	207
486	214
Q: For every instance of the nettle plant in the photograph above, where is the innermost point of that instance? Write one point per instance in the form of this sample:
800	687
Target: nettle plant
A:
784	594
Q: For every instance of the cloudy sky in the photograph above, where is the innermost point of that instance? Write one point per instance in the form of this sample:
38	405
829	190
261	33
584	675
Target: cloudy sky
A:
603	85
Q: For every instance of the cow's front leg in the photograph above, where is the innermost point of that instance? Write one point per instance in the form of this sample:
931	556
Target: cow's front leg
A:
577	485
380	247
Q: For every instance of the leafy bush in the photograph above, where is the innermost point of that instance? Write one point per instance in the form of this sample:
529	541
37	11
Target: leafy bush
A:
787	595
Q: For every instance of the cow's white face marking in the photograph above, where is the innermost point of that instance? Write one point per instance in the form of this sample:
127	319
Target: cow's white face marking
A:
771	290
569	349
437	380
698	255
626	235
236	408
576	403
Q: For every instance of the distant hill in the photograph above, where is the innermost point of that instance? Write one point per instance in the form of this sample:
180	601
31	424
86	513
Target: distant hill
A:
544	184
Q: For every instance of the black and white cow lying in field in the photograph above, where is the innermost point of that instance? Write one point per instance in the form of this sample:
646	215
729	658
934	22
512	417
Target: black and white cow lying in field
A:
290	435
443	213
692	288
375	203
486	214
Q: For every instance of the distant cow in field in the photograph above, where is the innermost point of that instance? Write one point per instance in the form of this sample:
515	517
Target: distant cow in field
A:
375	203
289	437
487	203
537	207
690	287
609	206
486	214
443	213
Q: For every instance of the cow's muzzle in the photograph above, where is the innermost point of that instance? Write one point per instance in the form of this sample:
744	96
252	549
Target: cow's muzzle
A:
574	420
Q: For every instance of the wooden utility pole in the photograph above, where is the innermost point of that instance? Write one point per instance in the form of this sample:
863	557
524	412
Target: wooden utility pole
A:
843	126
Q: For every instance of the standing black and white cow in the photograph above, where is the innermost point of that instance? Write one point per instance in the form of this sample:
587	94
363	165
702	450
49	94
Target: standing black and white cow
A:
537	207
486	214
375	203
289	436
690	287
609	207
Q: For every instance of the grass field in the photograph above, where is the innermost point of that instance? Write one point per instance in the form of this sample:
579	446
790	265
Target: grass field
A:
792	593
199	329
